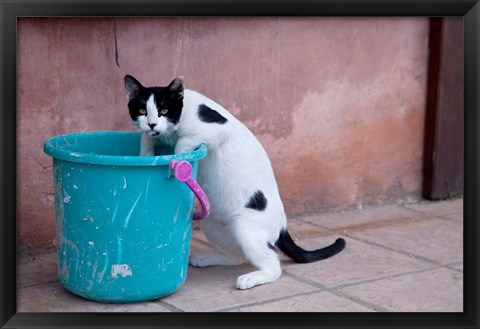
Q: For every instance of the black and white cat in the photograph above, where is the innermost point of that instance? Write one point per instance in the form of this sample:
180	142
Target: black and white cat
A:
247	218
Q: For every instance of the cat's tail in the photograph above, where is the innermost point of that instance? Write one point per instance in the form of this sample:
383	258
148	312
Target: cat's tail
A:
300	255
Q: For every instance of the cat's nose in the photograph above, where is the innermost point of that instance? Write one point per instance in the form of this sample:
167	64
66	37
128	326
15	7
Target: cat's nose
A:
152	125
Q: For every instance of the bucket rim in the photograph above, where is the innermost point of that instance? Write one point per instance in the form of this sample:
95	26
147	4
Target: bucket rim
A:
50	148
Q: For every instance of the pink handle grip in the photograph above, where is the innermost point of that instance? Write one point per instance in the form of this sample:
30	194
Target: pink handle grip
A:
183	172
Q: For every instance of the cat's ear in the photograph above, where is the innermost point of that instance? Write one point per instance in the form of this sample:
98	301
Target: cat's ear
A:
176	87
132	86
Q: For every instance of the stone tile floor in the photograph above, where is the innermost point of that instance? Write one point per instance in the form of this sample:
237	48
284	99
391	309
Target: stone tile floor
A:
399	258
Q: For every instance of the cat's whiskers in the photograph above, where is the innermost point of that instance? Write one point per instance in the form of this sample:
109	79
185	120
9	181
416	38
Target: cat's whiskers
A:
167	137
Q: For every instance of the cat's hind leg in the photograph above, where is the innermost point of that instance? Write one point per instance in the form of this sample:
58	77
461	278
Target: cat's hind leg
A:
221	240
259	253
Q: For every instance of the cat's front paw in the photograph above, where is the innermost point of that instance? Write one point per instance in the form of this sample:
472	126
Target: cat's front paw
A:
213	259
200	260
147	152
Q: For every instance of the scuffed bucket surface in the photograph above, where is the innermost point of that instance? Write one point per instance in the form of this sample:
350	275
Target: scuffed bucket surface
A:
123	228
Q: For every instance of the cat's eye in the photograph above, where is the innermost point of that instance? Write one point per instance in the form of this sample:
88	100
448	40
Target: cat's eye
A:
164	111
142	111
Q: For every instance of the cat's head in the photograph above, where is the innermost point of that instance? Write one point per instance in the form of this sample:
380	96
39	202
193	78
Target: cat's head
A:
155	110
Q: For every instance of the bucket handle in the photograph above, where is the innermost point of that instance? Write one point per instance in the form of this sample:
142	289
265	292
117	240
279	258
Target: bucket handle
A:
183	173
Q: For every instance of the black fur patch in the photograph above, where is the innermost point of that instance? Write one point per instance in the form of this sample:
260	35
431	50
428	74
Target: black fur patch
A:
257	201
208	115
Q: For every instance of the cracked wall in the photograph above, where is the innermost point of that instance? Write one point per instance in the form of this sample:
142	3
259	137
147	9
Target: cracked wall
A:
339	104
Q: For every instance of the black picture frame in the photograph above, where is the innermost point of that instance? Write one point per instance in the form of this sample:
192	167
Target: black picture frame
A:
10	10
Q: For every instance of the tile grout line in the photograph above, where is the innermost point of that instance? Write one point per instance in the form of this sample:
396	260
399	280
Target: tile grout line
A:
421	216
304	280
433	215
373	307
415	256
390	276
334	291
444	217
405	253
168	306
39	284
375	222
268	301
451	266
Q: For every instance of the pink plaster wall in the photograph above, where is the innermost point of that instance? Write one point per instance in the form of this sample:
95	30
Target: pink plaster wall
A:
339	104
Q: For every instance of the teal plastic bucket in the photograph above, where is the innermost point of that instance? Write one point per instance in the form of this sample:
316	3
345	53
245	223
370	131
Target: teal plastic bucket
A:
123	221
